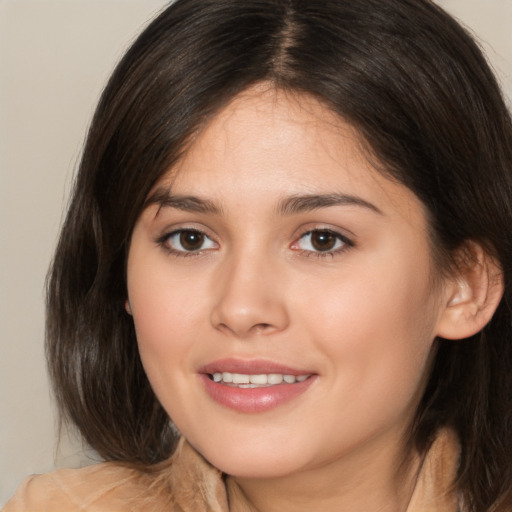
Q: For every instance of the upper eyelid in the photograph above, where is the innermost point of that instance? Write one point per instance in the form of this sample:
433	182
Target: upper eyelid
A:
170	230
343	233
344	239
166	233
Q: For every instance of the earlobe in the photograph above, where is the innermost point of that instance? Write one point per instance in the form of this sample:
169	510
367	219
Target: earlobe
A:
472	296
127	306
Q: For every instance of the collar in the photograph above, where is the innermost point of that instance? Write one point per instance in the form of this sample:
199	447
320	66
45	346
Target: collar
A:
197	485
435	487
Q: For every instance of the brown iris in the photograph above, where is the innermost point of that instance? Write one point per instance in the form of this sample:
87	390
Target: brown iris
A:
191	240
323	240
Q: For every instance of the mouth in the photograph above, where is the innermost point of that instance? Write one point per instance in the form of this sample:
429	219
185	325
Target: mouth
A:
254	386
259	380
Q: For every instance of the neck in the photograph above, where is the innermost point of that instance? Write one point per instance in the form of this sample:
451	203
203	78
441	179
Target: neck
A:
367	482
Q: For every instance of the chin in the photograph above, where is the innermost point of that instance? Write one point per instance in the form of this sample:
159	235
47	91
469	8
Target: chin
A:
259	470
254	463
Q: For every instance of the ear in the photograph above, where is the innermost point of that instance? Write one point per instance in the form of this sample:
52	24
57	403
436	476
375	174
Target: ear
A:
472	295
127	306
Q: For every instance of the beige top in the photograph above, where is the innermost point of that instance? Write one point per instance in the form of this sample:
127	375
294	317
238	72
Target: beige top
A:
187	483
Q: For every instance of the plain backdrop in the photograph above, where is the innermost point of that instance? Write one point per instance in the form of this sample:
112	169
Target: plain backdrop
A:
55	56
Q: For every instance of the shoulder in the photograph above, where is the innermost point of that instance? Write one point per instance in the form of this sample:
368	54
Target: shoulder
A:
183	482
99	488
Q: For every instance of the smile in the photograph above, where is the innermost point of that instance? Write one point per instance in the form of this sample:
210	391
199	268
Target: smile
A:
242	380
254	386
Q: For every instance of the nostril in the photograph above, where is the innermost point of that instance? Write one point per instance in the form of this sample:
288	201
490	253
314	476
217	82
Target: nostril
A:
261	327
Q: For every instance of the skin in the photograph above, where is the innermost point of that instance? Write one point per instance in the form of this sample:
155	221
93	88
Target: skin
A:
361	317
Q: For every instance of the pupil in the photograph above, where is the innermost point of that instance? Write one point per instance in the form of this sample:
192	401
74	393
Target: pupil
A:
191	240
323	240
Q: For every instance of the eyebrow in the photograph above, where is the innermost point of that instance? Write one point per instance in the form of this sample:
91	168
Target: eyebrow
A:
310	202
287	206
163	198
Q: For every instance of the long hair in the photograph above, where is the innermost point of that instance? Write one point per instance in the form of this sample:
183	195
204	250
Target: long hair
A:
418	90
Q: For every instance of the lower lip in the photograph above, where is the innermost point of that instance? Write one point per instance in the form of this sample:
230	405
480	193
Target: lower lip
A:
252	400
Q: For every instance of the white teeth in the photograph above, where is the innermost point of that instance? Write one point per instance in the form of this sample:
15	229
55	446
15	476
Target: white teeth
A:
246	381
258	379
240	378
274	378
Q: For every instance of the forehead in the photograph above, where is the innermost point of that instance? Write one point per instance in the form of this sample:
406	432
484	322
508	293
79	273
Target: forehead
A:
264	129
267	144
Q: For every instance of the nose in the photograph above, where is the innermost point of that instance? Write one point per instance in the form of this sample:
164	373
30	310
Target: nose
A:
250	298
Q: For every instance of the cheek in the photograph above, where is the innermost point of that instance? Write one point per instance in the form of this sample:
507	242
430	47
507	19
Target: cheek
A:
377	328
164	307
372	298
162	299
163	316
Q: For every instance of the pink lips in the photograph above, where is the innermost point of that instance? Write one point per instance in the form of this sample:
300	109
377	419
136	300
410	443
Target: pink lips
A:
253	400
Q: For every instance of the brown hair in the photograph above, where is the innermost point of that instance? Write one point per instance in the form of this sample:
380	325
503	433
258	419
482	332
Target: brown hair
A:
417	88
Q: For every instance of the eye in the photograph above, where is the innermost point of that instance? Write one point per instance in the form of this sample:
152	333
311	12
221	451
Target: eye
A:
322	241
187	241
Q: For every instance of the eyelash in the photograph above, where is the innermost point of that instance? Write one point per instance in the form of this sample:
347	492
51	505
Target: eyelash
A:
163	241
346	243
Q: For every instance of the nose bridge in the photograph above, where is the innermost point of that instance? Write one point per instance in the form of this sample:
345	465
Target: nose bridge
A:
249	296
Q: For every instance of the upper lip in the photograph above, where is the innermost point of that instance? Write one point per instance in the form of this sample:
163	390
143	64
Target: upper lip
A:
250	367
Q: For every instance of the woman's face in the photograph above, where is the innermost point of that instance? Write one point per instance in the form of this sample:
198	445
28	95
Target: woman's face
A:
283	293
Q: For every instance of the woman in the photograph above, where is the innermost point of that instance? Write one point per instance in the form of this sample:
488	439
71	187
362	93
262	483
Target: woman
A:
291	235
